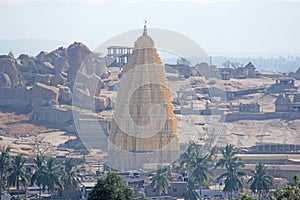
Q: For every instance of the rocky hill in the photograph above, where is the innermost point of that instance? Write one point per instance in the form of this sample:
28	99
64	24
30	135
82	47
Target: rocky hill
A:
38	90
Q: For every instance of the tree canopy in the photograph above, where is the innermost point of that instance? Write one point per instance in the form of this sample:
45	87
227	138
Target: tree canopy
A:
111	187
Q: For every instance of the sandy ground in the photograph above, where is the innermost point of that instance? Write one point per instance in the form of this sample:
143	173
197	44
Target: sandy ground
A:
18	133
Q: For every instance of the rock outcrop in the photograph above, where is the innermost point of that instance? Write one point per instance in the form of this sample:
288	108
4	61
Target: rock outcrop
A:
102	103
18	97
77	52
44	78
52	115
4	81
65	95
49	79
44	95
58	79
47	68
8	66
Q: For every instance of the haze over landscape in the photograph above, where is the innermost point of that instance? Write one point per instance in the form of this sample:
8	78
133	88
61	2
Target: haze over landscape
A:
221	27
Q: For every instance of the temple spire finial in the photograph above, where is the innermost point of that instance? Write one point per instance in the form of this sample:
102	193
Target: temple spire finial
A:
145	28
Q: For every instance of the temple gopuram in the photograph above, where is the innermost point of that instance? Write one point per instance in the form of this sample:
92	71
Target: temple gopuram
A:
143	118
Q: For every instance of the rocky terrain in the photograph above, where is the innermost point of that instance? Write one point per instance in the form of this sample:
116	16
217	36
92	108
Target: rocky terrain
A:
36	93
40	94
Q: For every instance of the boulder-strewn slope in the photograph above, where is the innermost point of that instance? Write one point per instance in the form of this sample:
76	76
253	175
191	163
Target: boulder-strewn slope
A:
48	81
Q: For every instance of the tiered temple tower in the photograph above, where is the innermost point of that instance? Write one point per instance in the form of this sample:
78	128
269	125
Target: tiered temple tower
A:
143	118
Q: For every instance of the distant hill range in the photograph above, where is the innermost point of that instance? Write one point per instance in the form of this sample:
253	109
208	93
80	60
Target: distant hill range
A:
28	46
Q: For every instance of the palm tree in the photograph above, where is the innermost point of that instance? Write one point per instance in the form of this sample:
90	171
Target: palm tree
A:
200	166
16	173
228	153
160	181
39	176
260	180
191	193
198	162
70	177
188	155
4	165
52	176
233	175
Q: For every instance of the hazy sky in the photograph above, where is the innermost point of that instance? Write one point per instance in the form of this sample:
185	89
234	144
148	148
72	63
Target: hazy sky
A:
221	27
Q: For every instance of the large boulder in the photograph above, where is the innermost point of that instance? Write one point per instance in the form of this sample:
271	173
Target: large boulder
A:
41	56
65	95
77	52
102	103
8	66
92	83
81	93
44	78
38	102
61	51
48	93
52	115
4	81
61	64
47	68
58	79
50	57
17	97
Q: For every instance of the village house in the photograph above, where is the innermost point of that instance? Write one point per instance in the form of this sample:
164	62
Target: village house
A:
288	103
282	84
249	71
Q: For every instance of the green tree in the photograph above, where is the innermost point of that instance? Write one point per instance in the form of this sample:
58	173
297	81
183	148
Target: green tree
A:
201	169
52	176
228	155
198	160
260	181
111	187
290	192
245	197
4	165
70	178
160	180
191	193
233	175
17	173
188	155
39	176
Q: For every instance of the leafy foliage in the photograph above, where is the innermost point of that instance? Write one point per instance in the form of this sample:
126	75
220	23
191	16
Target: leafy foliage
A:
290	192
111	187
